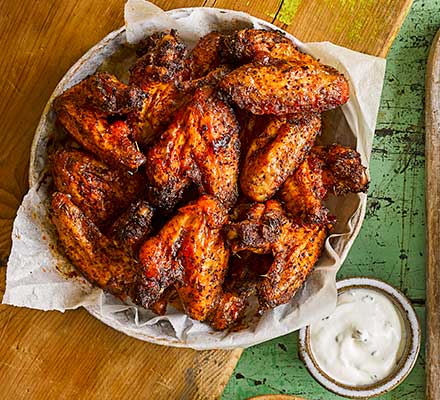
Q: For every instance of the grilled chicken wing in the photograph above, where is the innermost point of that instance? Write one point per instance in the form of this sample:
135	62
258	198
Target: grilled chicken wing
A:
333	169
105	93
295	256
158	72
279	87
133	227
96	124
276	153
207	55
169	76
228	309
200	146
99	191
189	252
256	44
95	256
295	246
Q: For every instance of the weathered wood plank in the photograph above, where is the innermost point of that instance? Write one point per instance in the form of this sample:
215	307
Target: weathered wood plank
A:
432	119
363	25
50	355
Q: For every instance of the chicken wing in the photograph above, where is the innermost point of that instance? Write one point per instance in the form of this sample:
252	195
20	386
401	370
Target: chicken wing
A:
95	256
258	44
207	55
158	71
189	252
105	93
276	153
295	246
133	227
295	255
200	146
333	169
258	230
97	124
99	191
279	87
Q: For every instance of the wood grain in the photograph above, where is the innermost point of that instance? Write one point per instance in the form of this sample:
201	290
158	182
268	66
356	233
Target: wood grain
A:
432	165
50	355
54	355
362	25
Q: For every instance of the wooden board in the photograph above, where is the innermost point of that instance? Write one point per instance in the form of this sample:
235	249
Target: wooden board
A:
432	166
53	355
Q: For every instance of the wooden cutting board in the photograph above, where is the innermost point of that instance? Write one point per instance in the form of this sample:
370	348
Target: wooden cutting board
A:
432	145
49	355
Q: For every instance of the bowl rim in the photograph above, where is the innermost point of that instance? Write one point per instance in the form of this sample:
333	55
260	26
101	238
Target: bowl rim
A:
408	358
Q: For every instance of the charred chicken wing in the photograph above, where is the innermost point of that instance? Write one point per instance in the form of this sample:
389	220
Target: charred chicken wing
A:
207	55
295	246
95	256
158	72
279	87
333	169
189	253
96	124
200	146
250	45
276	153
133	227
99	191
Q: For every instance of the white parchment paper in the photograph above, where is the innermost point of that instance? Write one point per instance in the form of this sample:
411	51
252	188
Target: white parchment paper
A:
33	276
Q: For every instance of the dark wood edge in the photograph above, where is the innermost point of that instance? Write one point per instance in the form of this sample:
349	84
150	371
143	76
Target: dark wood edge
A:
432	165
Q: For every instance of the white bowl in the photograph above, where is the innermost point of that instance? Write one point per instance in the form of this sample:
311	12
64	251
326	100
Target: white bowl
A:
405	364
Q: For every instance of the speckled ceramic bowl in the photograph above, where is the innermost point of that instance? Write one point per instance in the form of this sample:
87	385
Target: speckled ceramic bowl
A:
406	362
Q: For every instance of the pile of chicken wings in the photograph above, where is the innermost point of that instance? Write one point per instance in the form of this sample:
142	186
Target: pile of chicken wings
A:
199	183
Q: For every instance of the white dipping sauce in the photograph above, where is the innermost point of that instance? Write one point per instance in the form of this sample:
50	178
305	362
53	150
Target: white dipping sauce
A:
362	341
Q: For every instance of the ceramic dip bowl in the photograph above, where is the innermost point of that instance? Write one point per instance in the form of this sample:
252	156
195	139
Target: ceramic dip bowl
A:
410	343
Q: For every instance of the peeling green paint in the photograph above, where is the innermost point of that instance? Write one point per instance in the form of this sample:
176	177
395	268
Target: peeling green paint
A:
288	11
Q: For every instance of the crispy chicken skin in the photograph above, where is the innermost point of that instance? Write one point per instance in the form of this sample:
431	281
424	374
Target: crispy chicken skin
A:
258	229
333	169
99	191
276	153
343	171
256	44
295	255
189	252
97	124
207	55
95	256
162	49
133	227
229	307
295	246
200	146
169	76
158	71
105	93
279	87
302	193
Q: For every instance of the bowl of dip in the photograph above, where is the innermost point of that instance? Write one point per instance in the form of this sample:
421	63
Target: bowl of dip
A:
368	345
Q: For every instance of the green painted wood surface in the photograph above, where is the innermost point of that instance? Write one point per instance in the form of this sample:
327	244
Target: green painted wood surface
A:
391	245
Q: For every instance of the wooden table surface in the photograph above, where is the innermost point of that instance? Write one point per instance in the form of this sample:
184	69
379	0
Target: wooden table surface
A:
40	40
